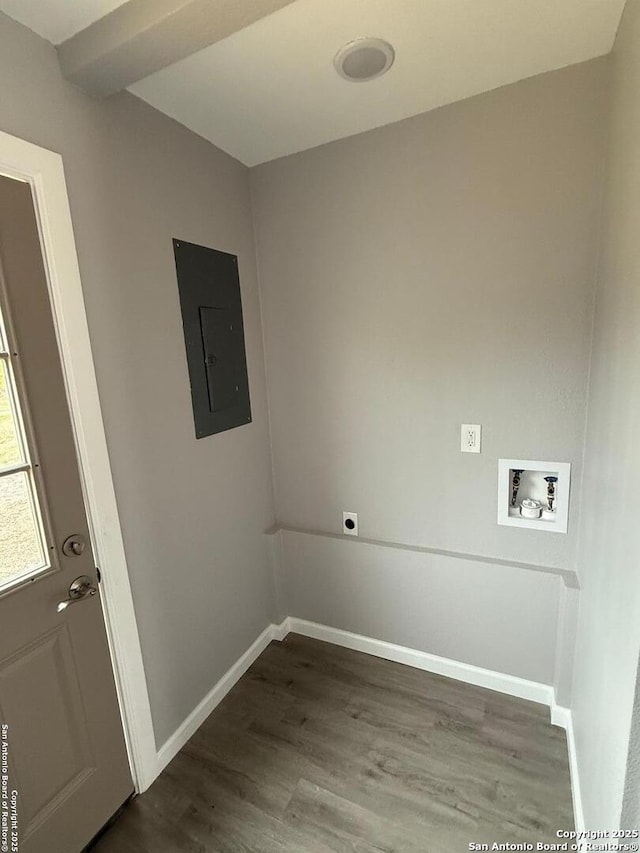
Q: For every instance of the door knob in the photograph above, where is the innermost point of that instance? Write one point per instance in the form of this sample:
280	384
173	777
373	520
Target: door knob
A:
82	587
74	545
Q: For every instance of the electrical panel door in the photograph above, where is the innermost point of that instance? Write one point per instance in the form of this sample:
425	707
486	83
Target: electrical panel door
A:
211	305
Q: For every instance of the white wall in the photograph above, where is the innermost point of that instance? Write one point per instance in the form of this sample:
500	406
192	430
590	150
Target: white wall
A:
609	557
193	512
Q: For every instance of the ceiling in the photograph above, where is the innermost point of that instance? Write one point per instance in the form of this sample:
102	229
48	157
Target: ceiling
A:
58	20
271	89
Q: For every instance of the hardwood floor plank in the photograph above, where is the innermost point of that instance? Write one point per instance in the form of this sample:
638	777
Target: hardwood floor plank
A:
320	749
336	817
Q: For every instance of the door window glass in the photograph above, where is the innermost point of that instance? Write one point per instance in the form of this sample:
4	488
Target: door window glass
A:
10	449
21	551
22	541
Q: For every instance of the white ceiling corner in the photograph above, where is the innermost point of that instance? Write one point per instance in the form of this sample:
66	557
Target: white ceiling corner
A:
58	20
271	89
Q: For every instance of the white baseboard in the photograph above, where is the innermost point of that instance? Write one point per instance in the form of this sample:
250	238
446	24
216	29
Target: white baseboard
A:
562	717
279	632
512	685
174	744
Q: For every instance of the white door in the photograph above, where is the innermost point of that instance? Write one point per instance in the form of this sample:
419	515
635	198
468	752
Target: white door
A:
63	762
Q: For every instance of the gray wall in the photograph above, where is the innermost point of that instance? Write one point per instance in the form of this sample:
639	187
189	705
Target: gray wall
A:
497	617
609	625
429	273
434	272
193	512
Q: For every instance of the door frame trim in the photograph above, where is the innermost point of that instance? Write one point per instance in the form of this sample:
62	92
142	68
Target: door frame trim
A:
44	171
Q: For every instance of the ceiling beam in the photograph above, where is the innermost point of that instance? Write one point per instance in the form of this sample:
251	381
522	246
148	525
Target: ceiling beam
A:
143	36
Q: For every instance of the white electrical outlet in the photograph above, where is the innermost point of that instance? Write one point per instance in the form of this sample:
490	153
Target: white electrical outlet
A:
350	523
470	438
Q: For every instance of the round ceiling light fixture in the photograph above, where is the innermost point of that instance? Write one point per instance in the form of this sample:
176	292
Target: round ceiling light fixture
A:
364	59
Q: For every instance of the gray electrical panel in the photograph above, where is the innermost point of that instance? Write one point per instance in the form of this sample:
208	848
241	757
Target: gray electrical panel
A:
211	307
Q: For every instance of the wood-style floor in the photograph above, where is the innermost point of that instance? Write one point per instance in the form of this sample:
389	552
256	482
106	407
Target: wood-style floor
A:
319	749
